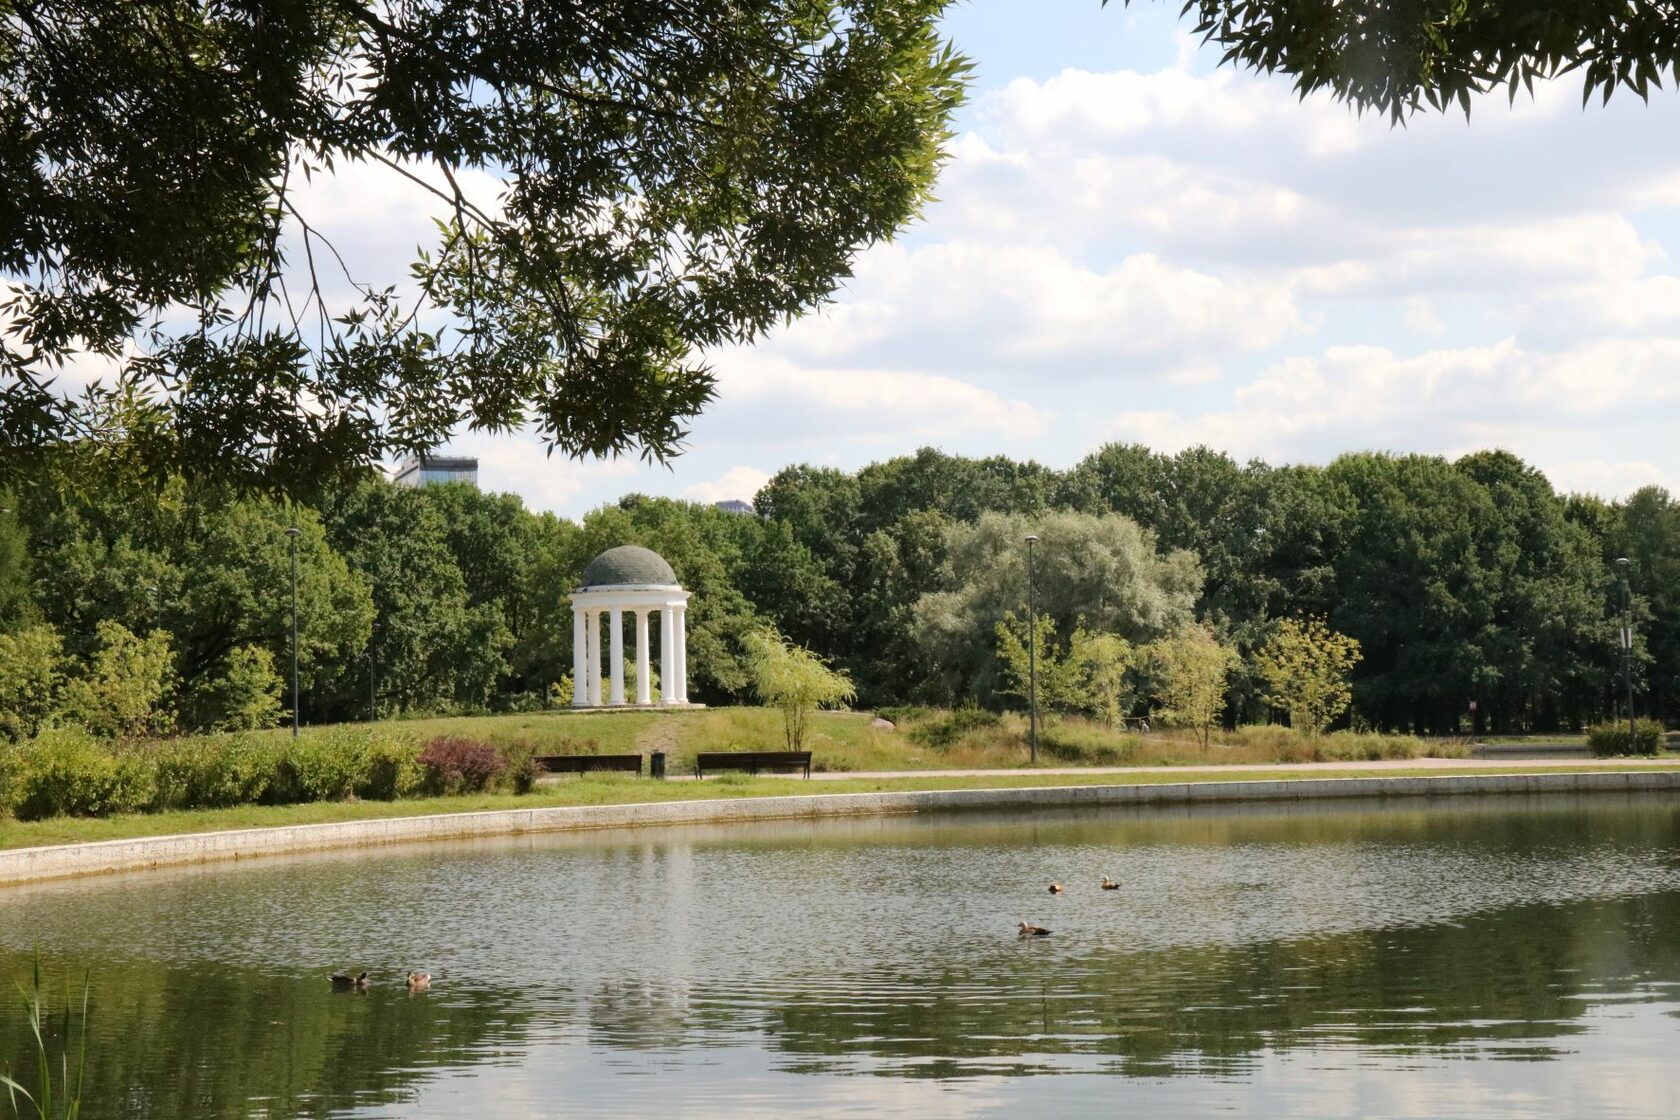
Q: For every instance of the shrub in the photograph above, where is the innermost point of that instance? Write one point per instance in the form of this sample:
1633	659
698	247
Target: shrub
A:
67	773
519	765
323	767
214	772
11	760
456	764
1607	739
945	731
391	769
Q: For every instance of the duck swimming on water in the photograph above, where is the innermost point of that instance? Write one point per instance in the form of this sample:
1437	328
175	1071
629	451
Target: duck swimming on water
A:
1109	884
344	981
1033	931
1055	888
419	981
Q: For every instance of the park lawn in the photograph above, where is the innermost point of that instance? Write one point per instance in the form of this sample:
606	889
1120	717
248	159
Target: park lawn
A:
846	741
842	740
617	790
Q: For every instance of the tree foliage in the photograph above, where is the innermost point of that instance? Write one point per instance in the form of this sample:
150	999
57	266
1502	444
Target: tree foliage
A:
243	696
1306	667
1088	674
795	680
1396	57
615	185
1105	570
1466	580
31	677
1190	668
123	691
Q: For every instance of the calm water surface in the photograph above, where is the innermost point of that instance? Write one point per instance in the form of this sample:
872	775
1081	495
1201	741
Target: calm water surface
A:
1490	958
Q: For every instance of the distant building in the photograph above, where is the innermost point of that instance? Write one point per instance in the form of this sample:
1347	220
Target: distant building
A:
428	470
733	505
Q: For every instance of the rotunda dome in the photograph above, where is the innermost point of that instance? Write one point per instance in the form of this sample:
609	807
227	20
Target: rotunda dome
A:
629	565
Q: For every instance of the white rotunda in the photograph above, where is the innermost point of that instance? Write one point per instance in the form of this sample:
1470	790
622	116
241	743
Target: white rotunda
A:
638	581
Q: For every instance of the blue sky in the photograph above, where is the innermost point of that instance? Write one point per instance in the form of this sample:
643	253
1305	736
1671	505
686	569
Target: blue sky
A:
1133	244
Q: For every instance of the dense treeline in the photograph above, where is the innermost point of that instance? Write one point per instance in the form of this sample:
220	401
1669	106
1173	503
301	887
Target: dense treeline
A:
1461	581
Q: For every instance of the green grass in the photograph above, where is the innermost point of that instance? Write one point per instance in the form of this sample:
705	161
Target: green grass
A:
612	790
928	739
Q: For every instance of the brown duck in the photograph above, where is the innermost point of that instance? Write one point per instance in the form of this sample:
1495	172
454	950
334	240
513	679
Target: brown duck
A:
419	981
1033	931
1056	888
1109	884
345	982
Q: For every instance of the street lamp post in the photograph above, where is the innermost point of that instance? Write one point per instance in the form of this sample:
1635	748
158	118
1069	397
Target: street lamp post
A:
293	533
1627	645
1032	655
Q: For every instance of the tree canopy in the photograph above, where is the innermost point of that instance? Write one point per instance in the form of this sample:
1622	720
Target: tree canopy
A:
671	177
1467	580
1397	56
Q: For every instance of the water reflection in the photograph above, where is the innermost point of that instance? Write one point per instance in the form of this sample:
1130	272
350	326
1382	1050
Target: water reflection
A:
1249	950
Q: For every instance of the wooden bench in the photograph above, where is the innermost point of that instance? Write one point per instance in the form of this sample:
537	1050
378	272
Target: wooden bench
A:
588	763
752	761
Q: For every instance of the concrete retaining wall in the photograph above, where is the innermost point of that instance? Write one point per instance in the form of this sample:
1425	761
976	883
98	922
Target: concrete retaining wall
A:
24	865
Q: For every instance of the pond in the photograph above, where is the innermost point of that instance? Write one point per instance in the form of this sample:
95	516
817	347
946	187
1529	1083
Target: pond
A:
1487	957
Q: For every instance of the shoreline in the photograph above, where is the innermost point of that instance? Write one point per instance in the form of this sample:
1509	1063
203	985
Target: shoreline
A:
28	865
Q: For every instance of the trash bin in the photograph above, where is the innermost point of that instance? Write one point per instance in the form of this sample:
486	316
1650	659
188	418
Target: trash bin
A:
656	764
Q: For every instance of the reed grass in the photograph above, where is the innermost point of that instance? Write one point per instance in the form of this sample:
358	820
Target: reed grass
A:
50	1102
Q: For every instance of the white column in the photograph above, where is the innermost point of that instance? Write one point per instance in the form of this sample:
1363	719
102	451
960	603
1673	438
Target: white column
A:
682	654
615	646
642	672
593	629
668	655
580	661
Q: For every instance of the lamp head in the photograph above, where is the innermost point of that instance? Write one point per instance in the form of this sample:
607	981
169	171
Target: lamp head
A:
1032	538
1621	561
292	532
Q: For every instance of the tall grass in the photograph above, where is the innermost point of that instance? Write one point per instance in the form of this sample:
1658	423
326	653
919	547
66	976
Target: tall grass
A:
47	1102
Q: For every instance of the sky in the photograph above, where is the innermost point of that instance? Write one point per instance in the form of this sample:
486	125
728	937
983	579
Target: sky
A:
1133	244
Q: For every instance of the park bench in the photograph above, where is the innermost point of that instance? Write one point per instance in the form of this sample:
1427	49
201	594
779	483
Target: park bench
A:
588	763
752	761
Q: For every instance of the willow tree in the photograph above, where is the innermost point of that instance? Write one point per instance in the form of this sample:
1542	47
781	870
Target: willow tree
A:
669	177
793	679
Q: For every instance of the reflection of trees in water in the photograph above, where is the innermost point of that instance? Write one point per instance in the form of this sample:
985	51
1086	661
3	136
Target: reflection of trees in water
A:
648	1014
230	1043
888	964
1504	983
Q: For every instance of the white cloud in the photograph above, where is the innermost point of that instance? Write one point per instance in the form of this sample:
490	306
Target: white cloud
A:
741	483
1544	406
766	401
1608	478
518	463
1420	317
966	307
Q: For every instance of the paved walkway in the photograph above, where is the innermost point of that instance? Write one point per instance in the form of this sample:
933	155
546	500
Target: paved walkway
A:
1304	769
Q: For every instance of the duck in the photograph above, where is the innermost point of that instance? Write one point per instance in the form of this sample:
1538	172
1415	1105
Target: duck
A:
344	981
1056	888
1109	884
419	981
1033	931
